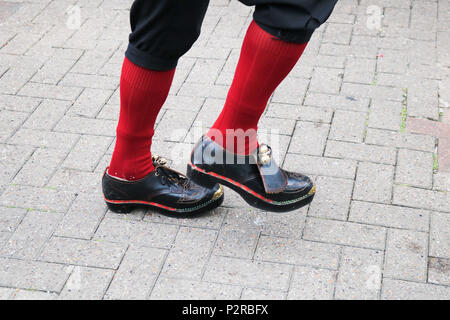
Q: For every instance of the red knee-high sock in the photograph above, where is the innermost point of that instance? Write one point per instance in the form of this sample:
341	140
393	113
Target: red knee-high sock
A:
142	94
264	62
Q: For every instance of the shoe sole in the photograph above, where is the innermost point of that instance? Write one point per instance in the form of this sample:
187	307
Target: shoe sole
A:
126	206
254	199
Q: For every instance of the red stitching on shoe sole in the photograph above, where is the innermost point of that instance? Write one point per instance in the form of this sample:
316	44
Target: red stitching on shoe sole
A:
140	202
237	184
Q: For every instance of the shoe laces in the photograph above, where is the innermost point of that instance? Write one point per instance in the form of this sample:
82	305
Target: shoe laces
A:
167	175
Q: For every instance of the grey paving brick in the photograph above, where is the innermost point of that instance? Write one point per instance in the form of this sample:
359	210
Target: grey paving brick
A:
332	199
44	139
90	102
348	126
137	273
53	71
186	258
36	198
359	70
10	122
309	138
345	233
33	295
423	100
389	216
255	274
76	124
39	168
359	274
12	158
440	235
336	102
137	232
167	288
326	80
312	284
47	114
385	114
421	198
262	294
29	237
361	152
337	33
14	79
86	284
441	181
406	290
83	217
371	91
415	168
320	165
286	224
91	81
87	152
177	123
10	218
85	253
239	233
439	271
5	293
406	255
298	252
374	182
291	90
400	140
32	275
18	103
49	91
280	126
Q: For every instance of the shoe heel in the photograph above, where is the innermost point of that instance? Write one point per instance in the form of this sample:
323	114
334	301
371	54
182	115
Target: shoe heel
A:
120	208
200	178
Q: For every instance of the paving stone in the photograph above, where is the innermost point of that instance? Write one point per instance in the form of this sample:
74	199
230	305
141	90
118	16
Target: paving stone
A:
291	90
439	271
85	253
256	274
332	199
262	294
167	288
439	235
400	140
421	198
374	182
5	293
47	114
44	199
348	126
326	80
10	122
49	91
14	79
53	71
32	275
29	237
359	274
39	168
441	181
44	139
414	168
389	216
371	91
90	102
239	233
304	135
143	233
87	152
361	152
33	295
18	103
76	124
10	218
83	217
86	284
298	252
406	290
345	233
177	123
320	166
186	258
286	224
312	284
406	255
137	273
360	70
385	114
337	33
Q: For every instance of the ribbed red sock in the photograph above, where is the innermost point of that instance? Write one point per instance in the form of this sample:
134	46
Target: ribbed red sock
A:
142	94
264	62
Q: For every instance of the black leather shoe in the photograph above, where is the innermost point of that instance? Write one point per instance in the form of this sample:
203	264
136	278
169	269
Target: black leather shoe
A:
256	177
163	189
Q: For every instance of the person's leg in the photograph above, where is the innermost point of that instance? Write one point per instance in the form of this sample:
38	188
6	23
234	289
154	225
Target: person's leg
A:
230	153
272	46
162	31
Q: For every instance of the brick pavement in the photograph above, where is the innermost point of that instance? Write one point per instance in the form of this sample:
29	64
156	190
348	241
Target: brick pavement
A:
365	112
